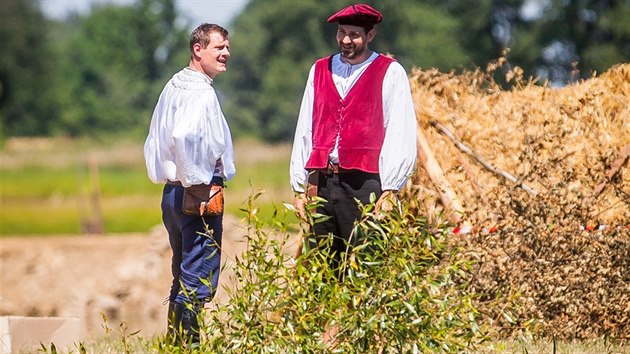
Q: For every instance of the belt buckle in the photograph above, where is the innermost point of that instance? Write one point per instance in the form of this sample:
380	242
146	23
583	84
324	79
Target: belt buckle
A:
332	168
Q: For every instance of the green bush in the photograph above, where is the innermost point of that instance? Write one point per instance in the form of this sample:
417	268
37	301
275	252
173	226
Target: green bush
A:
401	292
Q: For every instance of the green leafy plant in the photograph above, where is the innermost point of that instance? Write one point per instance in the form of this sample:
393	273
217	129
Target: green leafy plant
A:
400	291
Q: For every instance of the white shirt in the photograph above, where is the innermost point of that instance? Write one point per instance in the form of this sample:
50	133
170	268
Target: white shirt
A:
189	139
397	159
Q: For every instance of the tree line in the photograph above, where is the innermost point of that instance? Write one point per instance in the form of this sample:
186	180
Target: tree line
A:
101	73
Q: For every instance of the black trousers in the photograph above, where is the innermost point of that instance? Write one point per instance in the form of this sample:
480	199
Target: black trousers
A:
340	191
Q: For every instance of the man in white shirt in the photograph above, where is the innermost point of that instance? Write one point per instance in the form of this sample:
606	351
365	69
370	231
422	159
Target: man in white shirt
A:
189	143
356	130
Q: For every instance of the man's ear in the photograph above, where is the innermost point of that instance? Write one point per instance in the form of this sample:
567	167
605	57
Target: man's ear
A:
371	34
196	50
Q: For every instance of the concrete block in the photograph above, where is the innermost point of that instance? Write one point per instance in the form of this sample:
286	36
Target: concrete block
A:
19	333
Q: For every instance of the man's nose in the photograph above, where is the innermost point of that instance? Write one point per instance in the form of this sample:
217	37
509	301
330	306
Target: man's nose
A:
346	40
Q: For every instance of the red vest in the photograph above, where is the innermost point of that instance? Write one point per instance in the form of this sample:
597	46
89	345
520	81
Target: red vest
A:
357	118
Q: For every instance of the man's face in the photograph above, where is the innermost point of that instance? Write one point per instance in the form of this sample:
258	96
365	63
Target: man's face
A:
215	56
353	41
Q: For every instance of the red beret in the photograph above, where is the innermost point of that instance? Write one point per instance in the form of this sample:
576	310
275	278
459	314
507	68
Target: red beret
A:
359	14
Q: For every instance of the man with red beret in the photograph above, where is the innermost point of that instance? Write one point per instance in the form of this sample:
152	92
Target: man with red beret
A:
356	131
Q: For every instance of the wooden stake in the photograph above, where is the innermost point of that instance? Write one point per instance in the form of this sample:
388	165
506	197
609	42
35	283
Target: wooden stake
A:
479	159
97	226
449	198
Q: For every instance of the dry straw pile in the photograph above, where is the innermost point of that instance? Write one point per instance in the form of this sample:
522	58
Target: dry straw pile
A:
558	234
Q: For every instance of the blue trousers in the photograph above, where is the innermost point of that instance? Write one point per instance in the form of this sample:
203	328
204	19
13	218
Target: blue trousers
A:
196	259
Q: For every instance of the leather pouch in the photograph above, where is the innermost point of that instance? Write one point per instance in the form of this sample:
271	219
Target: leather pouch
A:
203	200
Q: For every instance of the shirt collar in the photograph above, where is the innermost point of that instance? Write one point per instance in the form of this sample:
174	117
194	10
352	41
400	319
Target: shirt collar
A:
199	74
344	69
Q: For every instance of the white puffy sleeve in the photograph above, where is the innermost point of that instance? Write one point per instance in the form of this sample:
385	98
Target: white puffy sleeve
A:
303	140
397	160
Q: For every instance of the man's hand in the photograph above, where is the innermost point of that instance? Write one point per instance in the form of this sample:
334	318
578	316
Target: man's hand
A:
299	202
386	202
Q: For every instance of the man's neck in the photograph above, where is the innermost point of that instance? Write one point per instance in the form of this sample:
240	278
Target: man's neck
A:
194	65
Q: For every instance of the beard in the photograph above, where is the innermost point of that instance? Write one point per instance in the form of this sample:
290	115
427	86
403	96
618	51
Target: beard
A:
351	52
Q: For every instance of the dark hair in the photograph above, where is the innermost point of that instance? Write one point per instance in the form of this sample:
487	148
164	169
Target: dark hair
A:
202	34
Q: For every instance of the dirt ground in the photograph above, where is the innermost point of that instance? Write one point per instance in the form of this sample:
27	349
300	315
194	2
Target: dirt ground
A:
124	277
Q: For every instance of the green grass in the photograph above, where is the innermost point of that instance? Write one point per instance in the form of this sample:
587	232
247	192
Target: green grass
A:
21	218
50	190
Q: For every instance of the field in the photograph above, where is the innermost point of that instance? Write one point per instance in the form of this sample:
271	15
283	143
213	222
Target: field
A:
55	261
74	187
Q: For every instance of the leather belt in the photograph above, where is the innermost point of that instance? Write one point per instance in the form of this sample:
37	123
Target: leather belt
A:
333	169
215	180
